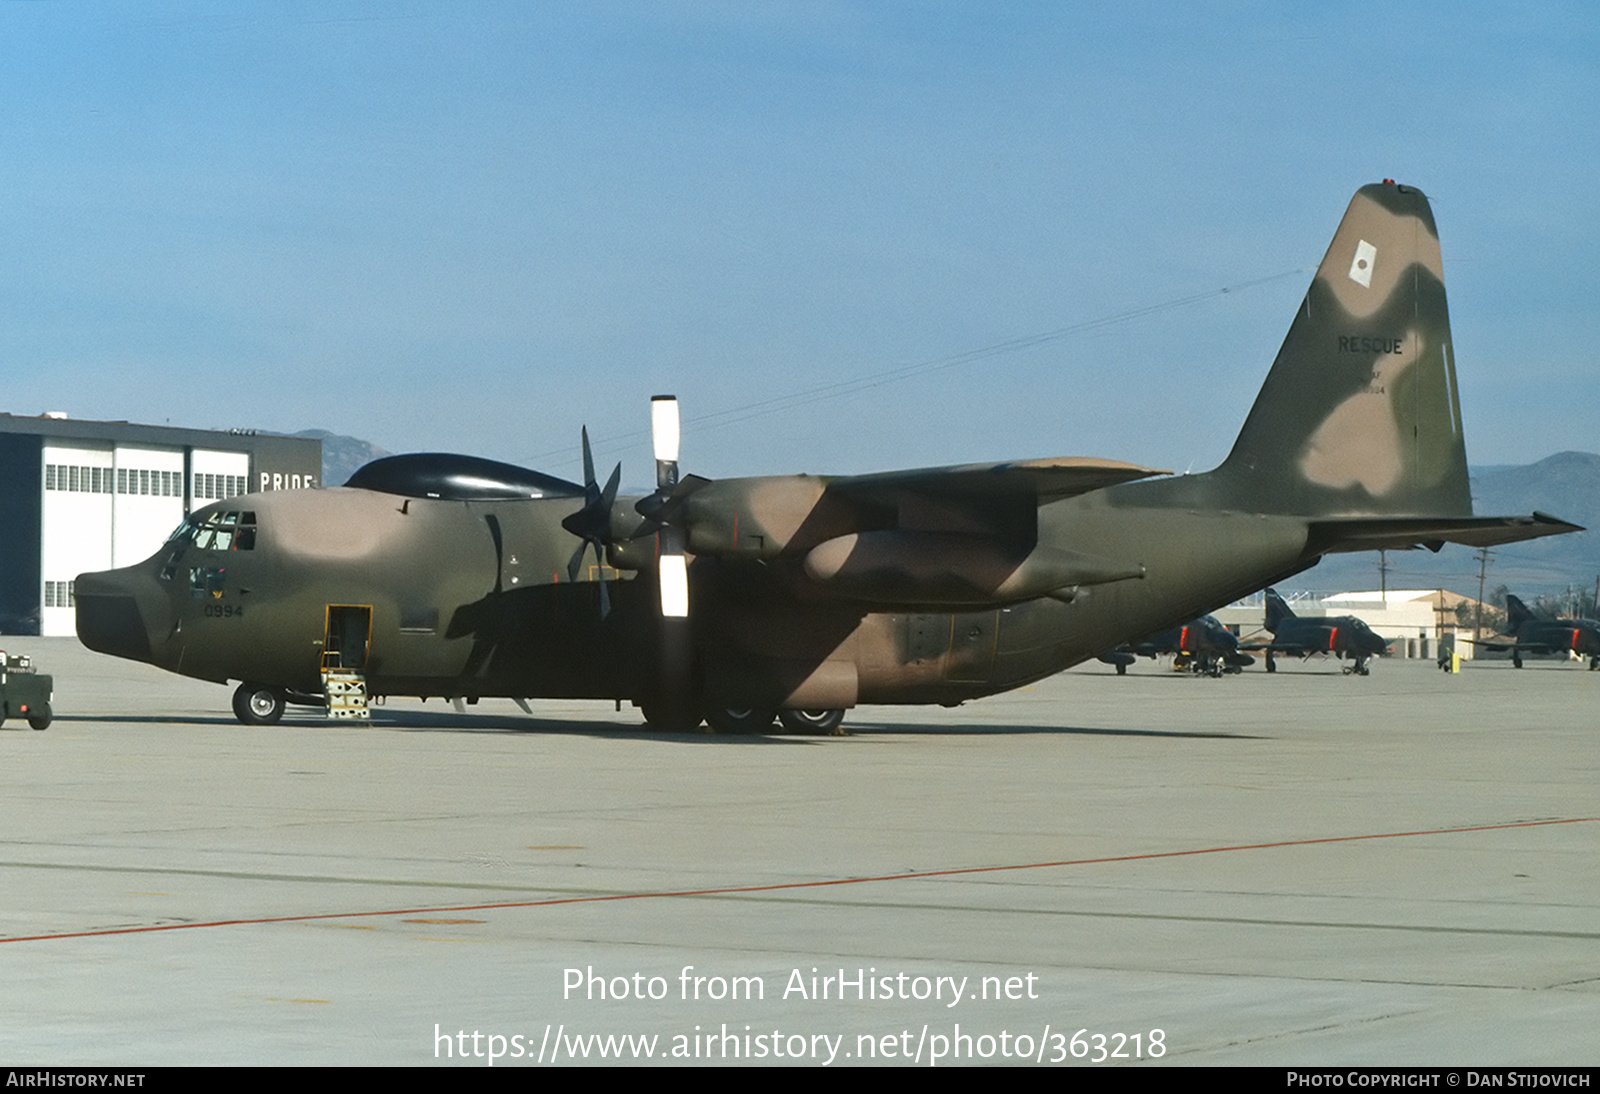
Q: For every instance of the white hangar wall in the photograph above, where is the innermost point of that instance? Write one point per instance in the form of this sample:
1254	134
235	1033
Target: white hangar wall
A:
83	496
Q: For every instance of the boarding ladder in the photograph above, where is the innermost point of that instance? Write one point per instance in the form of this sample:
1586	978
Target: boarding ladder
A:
346	690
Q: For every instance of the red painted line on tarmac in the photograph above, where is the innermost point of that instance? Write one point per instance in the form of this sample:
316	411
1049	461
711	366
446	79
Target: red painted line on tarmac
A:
796	885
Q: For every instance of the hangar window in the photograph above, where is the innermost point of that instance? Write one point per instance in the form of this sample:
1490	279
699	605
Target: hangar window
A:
212	486
77	478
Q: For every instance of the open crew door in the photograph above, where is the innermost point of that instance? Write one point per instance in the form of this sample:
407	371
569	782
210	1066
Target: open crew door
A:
346	642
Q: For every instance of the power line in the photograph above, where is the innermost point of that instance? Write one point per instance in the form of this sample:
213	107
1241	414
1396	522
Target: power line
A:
778	403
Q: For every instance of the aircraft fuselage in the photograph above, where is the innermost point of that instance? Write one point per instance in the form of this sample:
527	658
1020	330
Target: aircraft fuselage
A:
451	598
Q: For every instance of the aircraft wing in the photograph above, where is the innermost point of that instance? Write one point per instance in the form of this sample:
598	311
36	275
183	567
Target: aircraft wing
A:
936	537
1502	643
1044	480
1400	533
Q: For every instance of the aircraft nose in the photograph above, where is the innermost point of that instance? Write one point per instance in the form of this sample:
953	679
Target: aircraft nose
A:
112	616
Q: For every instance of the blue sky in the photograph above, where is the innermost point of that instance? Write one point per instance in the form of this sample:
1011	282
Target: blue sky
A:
478	226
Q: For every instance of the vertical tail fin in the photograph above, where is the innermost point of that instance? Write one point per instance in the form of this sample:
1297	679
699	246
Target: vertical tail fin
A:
1517	614
1277	611
1359	414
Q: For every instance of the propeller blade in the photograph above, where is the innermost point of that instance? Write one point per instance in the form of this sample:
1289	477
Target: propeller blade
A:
592	523
674	586
664	435
608	496
589	491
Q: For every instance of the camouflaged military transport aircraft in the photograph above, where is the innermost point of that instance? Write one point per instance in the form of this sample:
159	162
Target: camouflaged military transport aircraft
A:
798	597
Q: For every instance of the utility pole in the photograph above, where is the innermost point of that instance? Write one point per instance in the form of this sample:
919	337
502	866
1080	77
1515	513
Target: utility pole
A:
1484	558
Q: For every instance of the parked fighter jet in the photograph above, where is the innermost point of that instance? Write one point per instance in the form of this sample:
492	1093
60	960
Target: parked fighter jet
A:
802	596
1201	645
1339	635
1581	636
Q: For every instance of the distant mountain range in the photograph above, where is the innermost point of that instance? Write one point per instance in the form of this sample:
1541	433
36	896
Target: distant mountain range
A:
341	455
1566	485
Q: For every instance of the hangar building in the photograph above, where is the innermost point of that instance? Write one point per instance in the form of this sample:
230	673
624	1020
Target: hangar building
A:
80	495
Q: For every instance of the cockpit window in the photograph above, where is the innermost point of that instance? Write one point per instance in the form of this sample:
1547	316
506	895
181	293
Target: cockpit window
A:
229	530
182	533
226	531
215	534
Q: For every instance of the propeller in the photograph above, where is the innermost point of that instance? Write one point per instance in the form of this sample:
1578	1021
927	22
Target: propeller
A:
592	523
672	559
674	701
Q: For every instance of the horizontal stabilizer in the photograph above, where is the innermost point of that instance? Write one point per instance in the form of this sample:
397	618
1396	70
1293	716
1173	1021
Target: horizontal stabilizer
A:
1400	533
